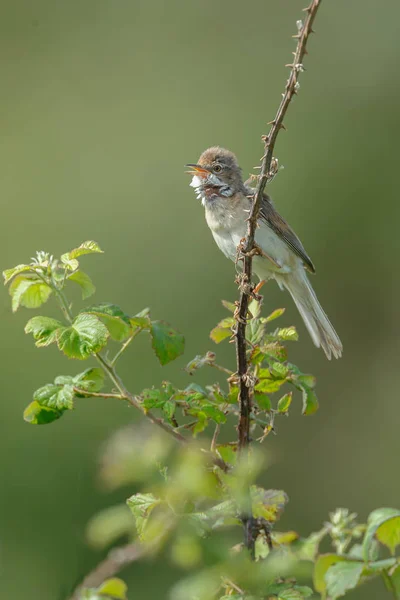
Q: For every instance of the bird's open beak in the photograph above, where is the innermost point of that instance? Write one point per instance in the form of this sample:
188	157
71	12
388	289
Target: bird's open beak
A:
197	170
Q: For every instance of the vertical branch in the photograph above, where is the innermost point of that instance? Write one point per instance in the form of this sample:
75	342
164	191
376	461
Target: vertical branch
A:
248	246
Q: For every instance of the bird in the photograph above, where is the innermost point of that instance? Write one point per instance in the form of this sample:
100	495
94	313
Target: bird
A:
227	200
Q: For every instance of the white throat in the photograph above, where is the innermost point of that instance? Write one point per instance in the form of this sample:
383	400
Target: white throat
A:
199	184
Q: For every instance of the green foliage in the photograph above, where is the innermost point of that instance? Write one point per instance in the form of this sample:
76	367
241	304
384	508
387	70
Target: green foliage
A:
111	589
193	498
167	343
86	335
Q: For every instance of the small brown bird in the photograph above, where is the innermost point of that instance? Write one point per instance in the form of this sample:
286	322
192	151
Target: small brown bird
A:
217	180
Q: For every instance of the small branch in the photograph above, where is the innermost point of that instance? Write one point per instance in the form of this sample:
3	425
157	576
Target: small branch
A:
124	346
247	248
221	368
97	394
117	559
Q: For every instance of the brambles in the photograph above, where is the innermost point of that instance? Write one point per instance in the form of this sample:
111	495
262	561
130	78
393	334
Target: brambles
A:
193	489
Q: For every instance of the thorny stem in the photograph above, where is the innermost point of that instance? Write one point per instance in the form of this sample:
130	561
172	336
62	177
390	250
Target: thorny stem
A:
245	286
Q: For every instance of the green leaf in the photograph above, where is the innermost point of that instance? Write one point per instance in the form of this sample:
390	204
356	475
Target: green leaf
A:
228	452
167	343
308	548
223	330
91	380
88	247
30	293
141	320
274	315
324	562
341	577
287	334
310	402
86	335
229	305
268	386
64	380
268	504
263	401
284	403
114	588
279	370
113	317
141	506
44	330
84	281
8	274
55	396
295	593
389	533
36	414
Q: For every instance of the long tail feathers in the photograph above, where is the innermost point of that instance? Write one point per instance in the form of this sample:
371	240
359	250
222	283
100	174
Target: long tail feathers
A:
319	327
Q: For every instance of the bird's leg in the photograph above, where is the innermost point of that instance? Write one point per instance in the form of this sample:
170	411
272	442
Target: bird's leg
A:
259	286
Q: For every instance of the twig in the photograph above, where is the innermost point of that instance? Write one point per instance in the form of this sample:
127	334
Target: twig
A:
87	394
117	559
124	393
245	384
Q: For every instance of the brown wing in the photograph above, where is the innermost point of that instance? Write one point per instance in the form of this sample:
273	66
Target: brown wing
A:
272	218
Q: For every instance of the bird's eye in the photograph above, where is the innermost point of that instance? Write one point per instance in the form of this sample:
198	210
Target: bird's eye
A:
217	168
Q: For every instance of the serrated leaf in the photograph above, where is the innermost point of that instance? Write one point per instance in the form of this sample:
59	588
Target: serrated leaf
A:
30	293
8	274
279	370
44	330
376	520
91	380
88	247
87	335
341	577
117	322
70	263
64	380
40	415
310	402
287	334
55	396
114	588
141	506
84	281
167	343
222	330
323	563
268	386
284	403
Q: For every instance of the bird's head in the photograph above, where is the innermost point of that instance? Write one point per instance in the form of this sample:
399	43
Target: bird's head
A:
216	174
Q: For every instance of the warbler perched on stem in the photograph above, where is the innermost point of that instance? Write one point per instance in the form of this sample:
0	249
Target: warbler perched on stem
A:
217	180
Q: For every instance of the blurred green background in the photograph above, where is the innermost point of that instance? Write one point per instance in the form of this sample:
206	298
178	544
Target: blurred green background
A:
102	104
